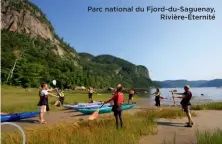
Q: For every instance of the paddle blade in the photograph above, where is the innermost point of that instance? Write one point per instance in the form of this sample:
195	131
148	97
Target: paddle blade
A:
54	82
94	115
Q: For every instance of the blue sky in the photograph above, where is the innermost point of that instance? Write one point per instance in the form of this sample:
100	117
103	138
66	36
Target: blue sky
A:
189	50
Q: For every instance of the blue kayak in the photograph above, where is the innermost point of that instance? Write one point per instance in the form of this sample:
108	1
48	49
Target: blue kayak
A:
107	109
87	106
18	116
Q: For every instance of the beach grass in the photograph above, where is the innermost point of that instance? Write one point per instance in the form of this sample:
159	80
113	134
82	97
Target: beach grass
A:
208	106
102	130
166	113
17	99
208	137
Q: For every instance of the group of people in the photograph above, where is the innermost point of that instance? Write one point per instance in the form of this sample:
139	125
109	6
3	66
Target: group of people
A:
117	98
185	102
91	91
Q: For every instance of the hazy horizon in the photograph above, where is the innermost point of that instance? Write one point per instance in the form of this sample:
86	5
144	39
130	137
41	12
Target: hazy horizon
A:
169	49
186	79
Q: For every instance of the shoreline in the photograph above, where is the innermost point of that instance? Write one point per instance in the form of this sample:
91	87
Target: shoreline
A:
66	115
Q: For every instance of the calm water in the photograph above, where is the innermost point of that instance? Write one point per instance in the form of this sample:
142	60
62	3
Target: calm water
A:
209	94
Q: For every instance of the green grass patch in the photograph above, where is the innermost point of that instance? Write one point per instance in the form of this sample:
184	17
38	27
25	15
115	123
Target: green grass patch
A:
208	106
16	99
206	137
209	137
101	130
165	113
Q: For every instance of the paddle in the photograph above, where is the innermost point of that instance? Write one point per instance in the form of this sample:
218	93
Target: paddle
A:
54	83
172	91
57	102
95	114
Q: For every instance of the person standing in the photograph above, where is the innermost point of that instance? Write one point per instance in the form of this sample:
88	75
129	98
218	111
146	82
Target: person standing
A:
62	97
185	103
131	93
43	101
90	94
157	97
118	99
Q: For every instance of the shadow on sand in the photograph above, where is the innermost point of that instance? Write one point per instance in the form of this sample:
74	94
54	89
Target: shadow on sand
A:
31	121
78	115
170	124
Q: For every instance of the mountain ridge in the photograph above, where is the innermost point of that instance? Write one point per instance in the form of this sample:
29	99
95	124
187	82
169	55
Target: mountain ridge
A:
194	83
32	52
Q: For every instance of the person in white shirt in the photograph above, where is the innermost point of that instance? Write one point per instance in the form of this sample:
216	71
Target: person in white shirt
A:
43	100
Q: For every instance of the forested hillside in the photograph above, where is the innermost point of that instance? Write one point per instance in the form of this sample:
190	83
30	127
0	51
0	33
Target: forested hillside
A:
33	53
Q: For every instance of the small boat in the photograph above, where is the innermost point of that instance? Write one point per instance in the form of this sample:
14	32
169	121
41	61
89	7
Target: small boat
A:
107	109
89	106
18	116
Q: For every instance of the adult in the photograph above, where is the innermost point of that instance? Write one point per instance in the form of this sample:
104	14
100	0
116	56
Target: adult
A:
131	93
118	99
185	103
90	94
157	97
43	101
60	95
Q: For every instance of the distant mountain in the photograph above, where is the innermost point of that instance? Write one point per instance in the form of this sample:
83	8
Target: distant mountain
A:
182	83
213	83
32	52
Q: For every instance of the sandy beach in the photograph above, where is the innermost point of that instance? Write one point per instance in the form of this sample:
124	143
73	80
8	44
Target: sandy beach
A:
167	129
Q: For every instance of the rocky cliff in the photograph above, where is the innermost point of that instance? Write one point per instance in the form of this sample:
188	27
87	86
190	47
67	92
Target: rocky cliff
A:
25	29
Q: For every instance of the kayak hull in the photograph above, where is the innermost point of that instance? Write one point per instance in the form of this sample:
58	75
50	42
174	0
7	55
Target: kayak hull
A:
107	109
18	116
77	107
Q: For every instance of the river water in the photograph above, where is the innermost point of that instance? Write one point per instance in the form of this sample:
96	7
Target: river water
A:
200	95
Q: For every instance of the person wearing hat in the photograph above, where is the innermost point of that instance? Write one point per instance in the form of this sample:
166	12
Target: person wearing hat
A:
118	99
185	103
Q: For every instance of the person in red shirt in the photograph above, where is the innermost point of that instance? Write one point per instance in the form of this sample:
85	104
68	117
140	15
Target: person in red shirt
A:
118	99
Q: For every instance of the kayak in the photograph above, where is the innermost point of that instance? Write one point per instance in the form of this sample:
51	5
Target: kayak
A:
89	106
89	103
107	109
18	116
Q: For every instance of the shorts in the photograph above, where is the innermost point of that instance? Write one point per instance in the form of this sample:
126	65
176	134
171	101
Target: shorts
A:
90	95
117	108
42	108
130	97
186	108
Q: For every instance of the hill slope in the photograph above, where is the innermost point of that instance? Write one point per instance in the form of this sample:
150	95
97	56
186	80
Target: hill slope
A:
213	83
182	83
33	52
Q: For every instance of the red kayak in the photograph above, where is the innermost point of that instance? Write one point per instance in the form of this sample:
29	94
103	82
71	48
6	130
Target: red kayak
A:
161	97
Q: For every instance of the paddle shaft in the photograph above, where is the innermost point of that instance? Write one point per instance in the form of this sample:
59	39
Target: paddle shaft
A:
173	99
102	105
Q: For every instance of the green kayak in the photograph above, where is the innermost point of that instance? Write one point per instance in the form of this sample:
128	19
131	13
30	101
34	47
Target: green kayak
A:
105	109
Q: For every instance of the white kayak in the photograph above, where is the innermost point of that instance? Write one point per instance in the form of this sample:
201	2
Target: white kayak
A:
85	106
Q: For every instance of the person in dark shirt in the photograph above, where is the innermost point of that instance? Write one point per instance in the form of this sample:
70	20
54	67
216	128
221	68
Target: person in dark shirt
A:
157	97
118	99
90	94
131	93
185	103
